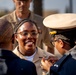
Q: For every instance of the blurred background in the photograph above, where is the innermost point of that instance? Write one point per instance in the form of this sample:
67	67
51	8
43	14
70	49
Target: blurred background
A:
42	7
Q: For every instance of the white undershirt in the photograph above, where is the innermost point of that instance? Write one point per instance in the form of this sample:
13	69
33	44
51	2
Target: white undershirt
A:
30	58
19	19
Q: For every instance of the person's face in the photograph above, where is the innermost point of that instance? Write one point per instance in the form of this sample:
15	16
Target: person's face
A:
56	43
22	6
26	37
59	45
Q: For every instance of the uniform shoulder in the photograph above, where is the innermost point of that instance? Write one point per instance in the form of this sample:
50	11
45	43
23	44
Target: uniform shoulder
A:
8	16
5	16
44	53
24	63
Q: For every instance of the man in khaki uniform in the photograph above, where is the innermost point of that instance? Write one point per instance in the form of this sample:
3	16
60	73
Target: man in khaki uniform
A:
22	11
26	34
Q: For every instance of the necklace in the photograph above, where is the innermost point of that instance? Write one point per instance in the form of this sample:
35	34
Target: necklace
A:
20	52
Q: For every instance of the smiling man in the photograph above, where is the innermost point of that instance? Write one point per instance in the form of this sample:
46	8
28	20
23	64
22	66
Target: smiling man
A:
26	34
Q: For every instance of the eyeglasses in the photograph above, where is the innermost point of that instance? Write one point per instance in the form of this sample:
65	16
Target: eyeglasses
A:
53	42
65	41
24	33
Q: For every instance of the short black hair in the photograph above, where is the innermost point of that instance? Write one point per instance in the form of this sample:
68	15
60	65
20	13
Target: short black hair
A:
22	22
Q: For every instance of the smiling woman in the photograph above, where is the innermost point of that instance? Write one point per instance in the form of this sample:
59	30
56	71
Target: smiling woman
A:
26	34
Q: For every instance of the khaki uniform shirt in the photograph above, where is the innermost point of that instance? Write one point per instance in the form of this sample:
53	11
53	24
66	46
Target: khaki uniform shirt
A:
44	37
37	58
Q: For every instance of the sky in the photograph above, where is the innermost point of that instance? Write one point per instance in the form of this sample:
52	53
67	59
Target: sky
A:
59	5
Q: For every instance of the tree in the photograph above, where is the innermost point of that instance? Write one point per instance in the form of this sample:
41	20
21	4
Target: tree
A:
37	5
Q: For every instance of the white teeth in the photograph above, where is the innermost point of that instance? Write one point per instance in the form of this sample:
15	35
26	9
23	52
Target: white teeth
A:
29	42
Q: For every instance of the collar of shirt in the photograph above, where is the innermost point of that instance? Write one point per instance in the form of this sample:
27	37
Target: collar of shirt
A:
30	58
19	19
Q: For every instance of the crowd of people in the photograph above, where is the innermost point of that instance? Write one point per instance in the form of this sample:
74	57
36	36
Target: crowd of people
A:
22	34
